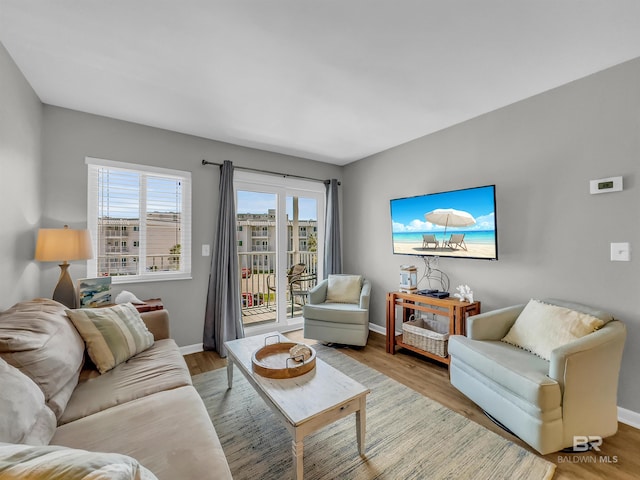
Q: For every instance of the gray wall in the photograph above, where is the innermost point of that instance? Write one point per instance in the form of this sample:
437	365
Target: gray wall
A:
69	136
20	164
553	235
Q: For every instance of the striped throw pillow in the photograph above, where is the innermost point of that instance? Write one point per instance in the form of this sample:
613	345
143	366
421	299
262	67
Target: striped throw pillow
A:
113	335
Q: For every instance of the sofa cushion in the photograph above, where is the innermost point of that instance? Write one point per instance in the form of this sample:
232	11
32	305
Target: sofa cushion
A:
24	416
344	288
113	335
516	370
55	462
169	432
37	338
160	367
541	328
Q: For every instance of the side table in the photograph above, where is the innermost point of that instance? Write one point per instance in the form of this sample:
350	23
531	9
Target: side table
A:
456	311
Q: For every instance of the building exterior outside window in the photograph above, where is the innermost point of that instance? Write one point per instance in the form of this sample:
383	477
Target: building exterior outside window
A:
140	220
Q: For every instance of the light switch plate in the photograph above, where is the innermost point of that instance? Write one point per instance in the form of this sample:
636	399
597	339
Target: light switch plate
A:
620	252
206	250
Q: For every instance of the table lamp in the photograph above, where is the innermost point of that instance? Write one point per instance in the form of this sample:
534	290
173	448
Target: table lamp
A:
63	245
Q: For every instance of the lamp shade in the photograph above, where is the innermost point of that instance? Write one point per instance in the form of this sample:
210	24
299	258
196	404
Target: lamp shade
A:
63	245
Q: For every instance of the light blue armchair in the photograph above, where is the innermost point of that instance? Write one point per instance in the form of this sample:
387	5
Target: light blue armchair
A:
544	402
337	310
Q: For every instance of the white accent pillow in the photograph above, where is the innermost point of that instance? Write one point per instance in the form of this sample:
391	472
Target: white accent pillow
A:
541	328
344	288
47	462
24	417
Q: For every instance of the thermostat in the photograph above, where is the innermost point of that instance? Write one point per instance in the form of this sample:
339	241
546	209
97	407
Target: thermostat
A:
605	185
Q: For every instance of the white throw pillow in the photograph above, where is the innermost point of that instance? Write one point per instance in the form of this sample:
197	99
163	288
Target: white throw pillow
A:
344	288
541	328
24	416
47	462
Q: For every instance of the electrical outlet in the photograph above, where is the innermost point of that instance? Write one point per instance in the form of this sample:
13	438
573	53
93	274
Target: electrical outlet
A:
620	252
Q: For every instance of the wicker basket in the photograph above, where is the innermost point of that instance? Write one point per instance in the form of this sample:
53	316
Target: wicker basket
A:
428	335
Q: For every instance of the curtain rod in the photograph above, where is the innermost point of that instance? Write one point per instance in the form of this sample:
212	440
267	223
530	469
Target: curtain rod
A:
207	162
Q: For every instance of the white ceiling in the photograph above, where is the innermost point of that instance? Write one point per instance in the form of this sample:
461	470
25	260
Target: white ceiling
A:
330	80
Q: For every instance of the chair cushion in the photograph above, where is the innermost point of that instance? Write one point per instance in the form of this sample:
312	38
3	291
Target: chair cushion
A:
24	417
518	371
336	313
541	328
113	335
54	462
344	288
37	338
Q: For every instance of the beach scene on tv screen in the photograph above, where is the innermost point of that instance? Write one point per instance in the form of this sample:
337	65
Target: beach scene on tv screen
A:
459	223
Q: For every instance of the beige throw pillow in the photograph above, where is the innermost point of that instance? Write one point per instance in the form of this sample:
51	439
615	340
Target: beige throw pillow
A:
344	288
541	328
55	462
113	335
24	417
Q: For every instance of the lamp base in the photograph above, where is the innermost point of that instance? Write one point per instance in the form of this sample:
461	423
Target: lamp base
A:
65	292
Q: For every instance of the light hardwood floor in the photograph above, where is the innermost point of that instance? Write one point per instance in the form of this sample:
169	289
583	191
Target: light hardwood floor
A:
432	380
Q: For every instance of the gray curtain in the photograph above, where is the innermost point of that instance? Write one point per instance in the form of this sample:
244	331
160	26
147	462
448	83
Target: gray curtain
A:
223	316
332	249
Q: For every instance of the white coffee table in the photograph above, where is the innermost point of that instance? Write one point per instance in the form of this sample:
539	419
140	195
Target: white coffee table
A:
305	403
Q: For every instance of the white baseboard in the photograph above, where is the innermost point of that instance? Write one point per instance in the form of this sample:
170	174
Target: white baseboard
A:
629	417
195	348
377	328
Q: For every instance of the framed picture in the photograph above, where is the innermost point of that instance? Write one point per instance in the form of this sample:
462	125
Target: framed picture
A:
94	292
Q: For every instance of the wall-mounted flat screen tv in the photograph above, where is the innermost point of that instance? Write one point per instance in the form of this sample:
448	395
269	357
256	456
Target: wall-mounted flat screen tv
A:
458	223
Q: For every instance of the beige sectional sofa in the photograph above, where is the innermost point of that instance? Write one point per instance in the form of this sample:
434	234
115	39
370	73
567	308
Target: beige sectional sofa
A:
145	408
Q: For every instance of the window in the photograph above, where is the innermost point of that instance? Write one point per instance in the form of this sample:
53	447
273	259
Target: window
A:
153	202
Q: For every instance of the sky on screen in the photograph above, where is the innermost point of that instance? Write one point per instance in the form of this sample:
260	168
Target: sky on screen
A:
407	214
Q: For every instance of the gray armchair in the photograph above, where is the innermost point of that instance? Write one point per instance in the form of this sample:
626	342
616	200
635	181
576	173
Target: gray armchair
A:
545	403
344	322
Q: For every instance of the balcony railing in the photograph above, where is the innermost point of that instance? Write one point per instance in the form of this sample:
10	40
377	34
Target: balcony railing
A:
123	264
257	272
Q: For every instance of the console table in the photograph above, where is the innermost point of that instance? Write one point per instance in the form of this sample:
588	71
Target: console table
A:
149	305
456	310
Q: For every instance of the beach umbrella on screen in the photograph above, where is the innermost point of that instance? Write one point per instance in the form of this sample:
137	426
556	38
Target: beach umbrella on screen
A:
449	217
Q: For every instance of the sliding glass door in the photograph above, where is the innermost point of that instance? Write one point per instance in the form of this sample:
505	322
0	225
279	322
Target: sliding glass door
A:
280	232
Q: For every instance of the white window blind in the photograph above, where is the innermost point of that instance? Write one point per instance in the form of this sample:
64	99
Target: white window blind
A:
140	221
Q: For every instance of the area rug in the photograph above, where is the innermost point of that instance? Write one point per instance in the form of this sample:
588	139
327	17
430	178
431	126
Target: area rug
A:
408	435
